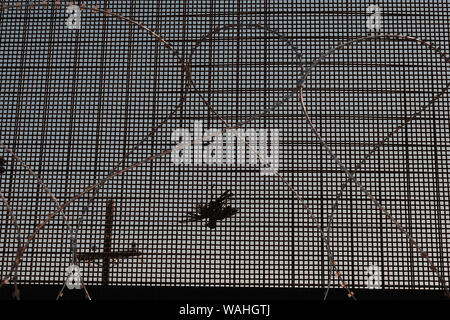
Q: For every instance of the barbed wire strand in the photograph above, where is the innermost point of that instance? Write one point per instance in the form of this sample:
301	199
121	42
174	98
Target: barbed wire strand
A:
334	157
294	49
362	162
264	161
52	198
16	293
72	237
350	175
109	13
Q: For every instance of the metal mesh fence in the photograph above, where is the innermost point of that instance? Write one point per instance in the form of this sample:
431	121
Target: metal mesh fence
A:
74	102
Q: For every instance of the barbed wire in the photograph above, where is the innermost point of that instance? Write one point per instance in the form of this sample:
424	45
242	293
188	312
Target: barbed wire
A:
187	71
350	175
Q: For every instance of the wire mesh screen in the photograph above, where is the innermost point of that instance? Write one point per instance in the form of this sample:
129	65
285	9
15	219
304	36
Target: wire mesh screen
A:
363	127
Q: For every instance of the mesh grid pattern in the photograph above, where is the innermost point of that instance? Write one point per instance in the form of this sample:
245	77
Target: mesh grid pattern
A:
73	102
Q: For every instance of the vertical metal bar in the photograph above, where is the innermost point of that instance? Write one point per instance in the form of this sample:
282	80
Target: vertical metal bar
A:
44	125
101	96
4	221
380	187
436	185
73	107
206	266
408	178
155	93
436	171
17	118
101	93
237	251
265	120
128	95
107	241
179	172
